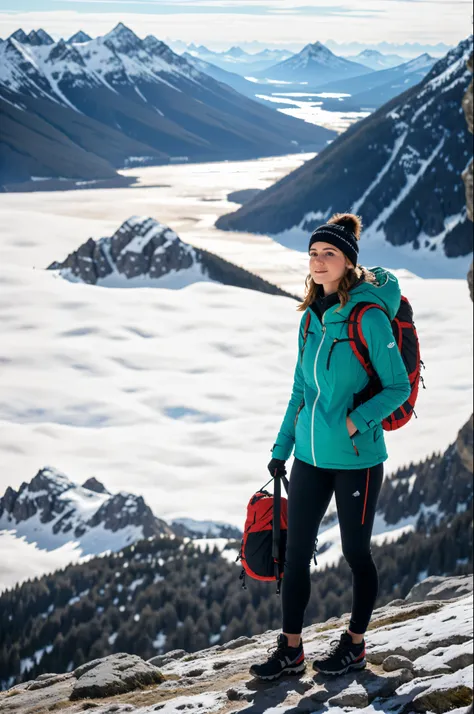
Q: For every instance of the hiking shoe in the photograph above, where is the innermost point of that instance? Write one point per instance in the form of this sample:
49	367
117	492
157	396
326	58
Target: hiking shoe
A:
344	657
283	660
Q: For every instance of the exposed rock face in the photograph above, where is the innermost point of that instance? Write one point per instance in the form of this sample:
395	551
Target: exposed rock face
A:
439	588
116	674
143	248
468	173
464	444
94	485
425	650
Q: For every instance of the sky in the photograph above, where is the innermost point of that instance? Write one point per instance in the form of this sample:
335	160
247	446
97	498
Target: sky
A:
222	23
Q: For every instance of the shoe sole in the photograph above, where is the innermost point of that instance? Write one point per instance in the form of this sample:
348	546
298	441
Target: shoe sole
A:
289	670
358	665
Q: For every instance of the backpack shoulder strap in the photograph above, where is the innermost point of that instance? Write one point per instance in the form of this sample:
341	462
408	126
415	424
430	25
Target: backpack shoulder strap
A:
356	336
307	323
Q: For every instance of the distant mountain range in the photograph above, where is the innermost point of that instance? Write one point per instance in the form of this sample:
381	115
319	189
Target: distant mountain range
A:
379	87
80	109
314	65
237	60
400	169
144	252
377	60
405	49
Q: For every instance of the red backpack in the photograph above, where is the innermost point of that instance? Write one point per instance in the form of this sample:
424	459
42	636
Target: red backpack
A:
406	338
262	550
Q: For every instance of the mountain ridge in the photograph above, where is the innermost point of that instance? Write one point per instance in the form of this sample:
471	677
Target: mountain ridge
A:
381	166
137	88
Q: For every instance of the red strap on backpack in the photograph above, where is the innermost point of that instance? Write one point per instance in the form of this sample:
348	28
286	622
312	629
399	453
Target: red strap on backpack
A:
406	339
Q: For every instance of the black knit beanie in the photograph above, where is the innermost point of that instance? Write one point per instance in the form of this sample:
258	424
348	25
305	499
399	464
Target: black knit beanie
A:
338	236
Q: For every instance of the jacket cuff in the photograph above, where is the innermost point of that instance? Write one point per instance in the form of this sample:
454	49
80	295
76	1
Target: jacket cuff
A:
360	423
282	452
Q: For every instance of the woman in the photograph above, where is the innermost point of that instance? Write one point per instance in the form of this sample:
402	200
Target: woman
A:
338	438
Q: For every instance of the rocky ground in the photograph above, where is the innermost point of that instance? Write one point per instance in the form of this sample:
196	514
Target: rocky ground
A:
419	650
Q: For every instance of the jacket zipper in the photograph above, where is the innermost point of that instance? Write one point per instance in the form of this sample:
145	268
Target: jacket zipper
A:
319	391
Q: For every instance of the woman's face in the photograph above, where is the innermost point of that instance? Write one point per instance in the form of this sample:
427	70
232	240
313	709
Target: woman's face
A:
327	265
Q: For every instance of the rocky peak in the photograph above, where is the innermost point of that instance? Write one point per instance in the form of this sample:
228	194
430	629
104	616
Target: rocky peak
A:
51	480
142	248
39	37
69	511
94	485
316	49
45	38
19	36
370	53
63	52
235	52
79	37
157	48
124	510
122	39
461	52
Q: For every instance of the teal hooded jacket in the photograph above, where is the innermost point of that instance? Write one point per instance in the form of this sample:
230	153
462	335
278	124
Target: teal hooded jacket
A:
328	375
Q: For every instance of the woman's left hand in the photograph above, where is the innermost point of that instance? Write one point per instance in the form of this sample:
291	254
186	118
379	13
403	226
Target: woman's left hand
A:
351	427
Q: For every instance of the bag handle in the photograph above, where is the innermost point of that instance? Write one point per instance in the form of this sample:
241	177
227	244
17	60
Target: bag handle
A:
276	526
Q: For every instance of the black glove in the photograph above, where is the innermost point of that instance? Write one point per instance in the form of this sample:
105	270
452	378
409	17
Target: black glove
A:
277	465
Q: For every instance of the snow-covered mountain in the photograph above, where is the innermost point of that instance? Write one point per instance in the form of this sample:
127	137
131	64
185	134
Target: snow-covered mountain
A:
79	37
395	80
400	169
52	521
144	252
161	105
315	65
52	511
377	60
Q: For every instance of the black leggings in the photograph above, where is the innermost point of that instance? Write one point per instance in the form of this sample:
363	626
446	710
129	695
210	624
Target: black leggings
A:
310	492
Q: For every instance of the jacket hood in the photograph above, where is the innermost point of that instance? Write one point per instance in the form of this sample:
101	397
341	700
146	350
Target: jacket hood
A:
385	292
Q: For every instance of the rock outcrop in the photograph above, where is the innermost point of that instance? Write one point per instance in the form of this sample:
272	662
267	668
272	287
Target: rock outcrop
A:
143	249
112	675
468	173
419	660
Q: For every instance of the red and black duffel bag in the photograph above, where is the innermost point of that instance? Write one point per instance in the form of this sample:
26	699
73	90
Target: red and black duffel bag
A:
262	551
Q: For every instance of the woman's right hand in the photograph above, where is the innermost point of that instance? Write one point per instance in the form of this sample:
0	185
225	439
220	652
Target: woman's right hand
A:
277	467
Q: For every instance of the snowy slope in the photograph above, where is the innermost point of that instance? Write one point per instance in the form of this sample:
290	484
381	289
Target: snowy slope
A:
399	168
